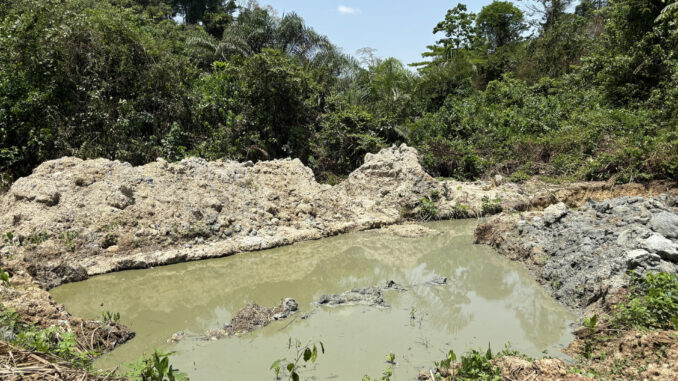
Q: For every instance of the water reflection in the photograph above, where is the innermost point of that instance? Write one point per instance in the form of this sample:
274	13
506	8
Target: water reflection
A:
487	299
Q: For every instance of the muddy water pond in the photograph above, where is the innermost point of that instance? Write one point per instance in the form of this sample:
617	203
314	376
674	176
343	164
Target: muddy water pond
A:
487	299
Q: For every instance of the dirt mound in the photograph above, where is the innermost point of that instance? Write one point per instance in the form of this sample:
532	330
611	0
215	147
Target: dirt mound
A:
583	255
75	218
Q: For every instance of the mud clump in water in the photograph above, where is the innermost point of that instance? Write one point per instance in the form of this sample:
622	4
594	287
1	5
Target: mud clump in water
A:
252	317
368	296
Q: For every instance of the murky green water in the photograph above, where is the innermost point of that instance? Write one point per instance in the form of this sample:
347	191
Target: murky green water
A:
488	300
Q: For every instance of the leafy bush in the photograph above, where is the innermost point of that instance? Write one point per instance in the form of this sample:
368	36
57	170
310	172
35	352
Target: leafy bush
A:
155	367
651	303
427	209
519	176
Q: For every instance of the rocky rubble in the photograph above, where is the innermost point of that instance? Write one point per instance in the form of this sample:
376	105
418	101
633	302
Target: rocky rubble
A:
582	256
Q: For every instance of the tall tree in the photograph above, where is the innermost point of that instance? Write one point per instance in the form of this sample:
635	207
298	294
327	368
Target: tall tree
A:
500	23
458	27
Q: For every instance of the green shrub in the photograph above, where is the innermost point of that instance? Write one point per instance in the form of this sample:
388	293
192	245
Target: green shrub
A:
474	365
651	303
427	209
155	367
519	176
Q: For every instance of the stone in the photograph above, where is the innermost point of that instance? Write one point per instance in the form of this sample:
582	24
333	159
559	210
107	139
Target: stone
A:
392	285
662	246
289	306
640	257
665	223
176	337
554	213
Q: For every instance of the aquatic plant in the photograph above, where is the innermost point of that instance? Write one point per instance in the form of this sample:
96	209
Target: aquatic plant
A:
305	353
386	376
108	317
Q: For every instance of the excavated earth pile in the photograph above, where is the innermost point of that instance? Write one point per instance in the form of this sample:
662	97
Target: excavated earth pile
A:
72	219
583	257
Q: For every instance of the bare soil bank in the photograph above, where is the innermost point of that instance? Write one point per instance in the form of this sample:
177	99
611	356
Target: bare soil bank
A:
72	219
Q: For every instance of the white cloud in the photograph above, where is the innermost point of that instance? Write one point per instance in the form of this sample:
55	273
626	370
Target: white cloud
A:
344	10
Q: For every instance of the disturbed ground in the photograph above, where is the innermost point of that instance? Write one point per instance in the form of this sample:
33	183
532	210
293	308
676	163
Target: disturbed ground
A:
583	256
72	219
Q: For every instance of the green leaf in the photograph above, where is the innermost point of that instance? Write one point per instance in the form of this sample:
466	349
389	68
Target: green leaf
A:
307	354
295	376
290	367
315	354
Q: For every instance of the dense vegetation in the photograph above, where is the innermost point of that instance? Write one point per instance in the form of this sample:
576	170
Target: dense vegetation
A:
556	89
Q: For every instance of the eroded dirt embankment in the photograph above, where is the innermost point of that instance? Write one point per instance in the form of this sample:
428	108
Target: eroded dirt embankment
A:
72	219
583	256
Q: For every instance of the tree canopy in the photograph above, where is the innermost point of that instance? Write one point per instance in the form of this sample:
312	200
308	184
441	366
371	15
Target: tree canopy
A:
589	92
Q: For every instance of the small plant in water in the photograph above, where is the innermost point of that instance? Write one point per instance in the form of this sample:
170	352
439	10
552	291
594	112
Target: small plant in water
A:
306	353
390	358
386	376
110	317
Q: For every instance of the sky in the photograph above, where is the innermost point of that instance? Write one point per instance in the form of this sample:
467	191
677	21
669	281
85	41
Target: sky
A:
395	28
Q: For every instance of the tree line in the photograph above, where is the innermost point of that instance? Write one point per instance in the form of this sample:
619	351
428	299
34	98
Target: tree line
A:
548	88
